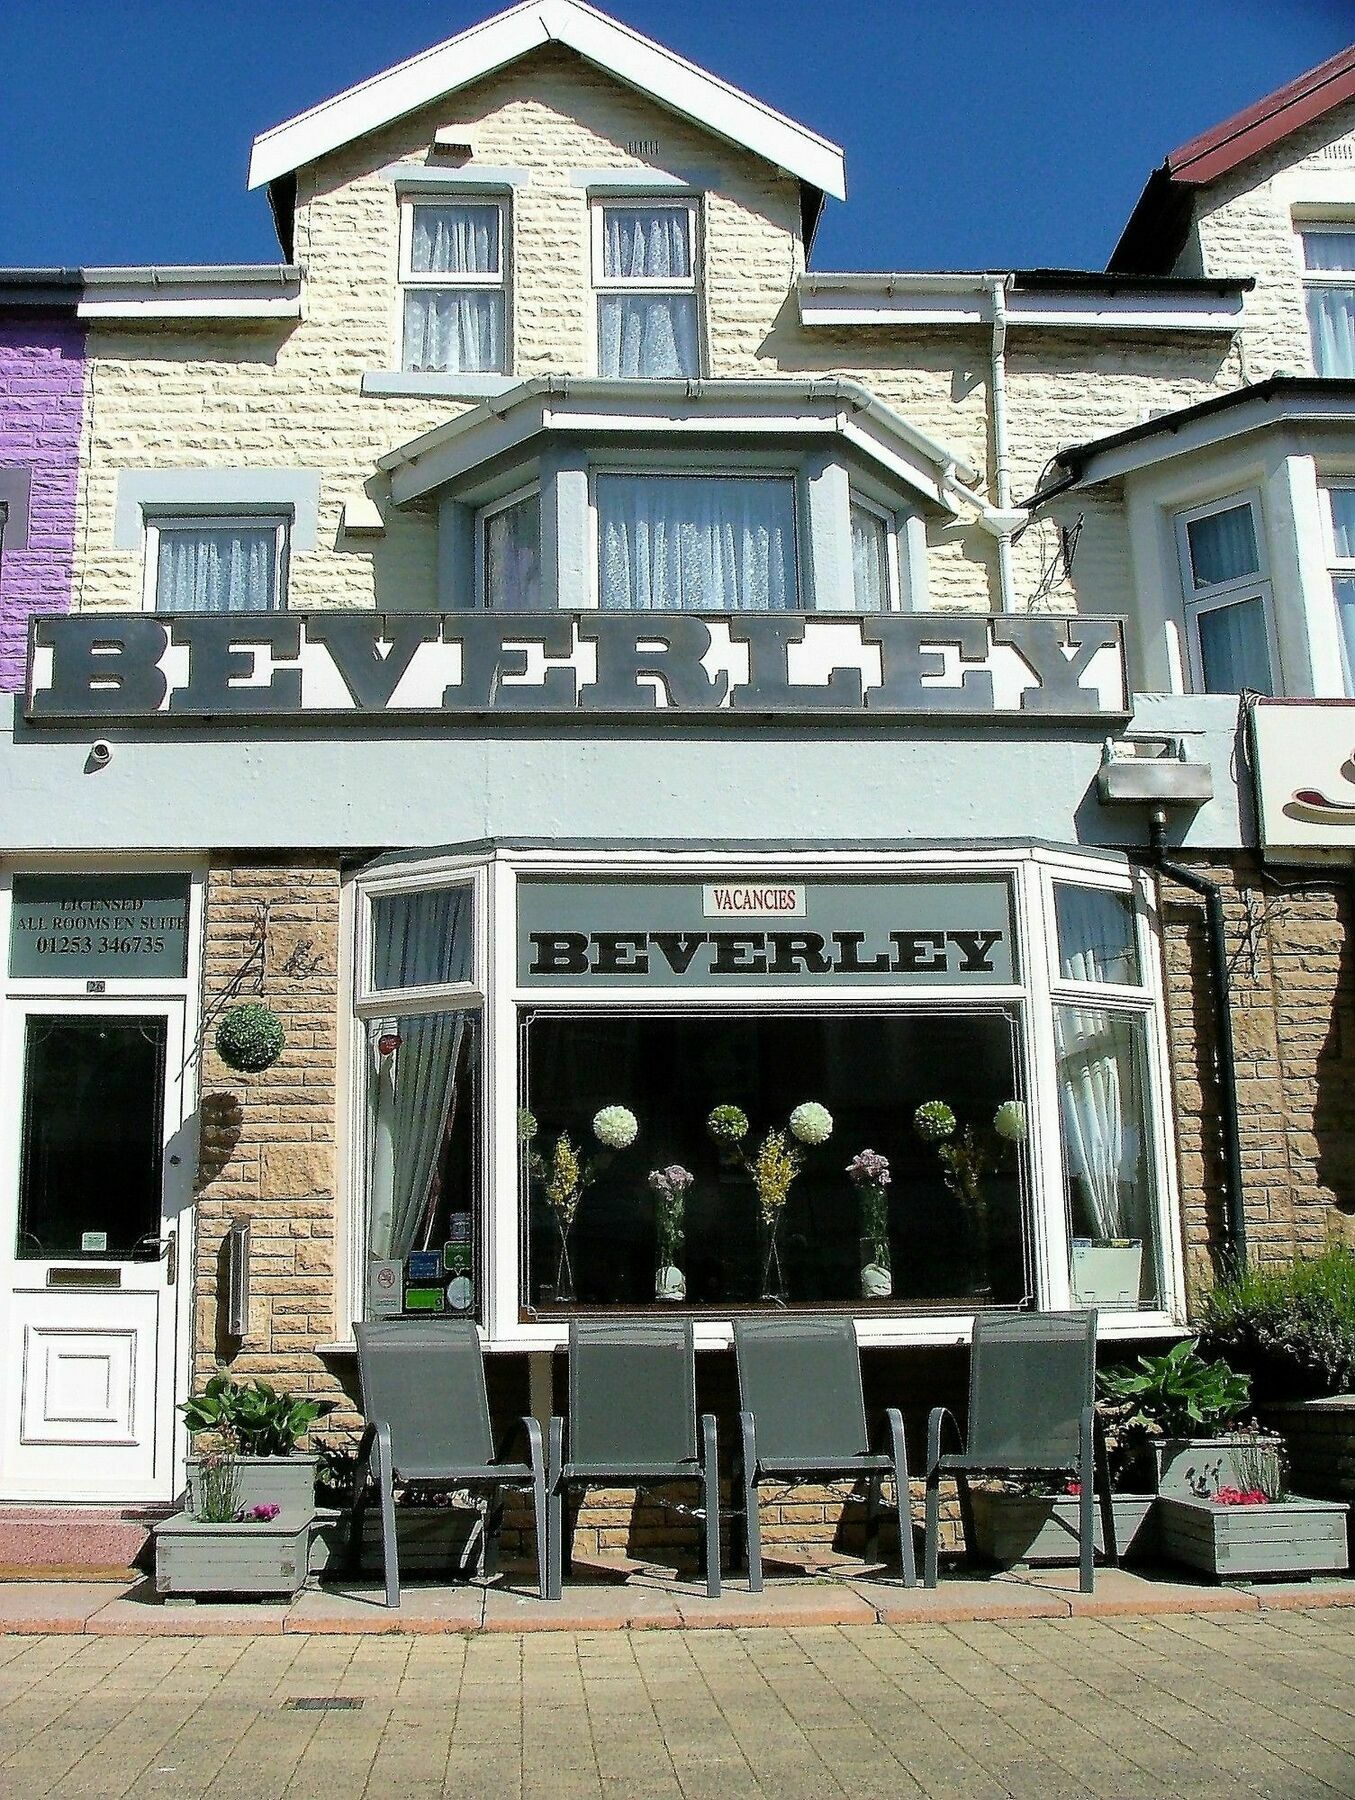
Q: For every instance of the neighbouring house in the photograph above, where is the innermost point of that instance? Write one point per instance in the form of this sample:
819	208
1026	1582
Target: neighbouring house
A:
557	650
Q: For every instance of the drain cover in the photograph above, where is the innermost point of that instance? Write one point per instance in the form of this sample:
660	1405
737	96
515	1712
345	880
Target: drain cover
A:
322	1703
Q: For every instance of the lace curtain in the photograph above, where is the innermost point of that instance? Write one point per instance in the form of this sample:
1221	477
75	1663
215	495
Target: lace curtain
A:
652	335
216	570
455	329
684	543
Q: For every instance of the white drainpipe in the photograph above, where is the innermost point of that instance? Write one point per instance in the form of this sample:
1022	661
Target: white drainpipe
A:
1002	485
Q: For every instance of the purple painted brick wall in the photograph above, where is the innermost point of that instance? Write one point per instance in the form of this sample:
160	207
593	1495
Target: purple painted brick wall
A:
42	388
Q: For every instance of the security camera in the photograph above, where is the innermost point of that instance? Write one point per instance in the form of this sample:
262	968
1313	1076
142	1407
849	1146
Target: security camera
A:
100	754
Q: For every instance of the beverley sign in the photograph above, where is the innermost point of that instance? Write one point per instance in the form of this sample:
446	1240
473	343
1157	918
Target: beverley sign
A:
277	665
660	934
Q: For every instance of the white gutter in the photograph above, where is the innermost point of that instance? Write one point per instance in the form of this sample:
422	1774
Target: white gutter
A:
192	292
832	302
998	286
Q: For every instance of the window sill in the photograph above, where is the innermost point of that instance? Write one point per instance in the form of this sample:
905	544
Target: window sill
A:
411	384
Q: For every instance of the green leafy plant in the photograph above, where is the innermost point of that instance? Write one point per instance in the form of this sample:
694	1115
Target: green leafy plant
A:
1178	1395
255	1418
336	1473
250	1037
1290	1327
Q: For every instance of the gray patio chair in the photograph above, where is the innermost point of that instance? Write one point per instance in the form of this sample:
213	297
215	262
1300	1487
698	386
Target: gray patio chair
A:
803	1416
1032	1408
632	1420
427	1412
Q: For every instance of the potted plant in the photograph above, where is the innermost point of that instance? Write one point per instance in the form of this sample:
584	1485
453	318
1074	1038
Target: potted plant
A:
868	1172
1256	1527
262	1428
967	1158
1291	1328
223	1543
1033	1519
1170	1416
669	1187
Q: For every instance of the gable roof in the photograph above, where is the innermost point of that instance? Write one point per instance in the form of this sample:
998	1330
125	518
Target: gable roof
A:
1157	228
636	61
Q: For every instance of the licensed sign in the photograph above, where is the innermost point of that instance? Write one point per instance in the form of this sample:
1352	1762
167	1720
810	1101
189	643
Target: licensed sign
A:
99	925
1303	754
133	666
645	934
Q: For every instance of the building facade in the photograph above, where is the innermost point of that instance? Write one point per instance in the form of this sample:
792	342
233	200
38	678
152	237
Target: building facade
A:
556	652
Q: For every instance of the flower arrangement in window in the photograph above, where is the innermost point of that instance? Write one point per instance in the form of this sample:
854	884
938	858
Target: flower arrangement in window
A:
669	1187
966	1157
868	1171
567	1173
772	1169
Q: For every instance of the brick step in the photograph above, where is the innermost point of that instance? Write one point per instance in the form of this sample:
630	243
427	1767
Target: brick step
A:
64	1542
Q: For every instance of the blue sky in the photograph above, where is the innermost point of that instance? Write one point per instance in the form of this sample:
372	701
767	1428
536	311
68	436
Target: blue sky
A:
980	134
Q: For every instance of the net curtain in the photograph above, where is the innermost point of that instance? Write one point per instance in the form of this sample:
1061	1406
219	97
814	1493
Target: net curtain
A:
683	543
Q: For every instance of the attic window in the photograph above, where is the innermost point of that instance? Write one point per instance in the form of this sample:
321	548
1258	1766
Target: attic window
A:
452	274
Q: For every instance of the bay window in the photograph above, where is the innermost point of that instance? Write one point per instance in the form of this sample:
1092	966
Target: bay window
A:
1227	596
874	557
1329	296
645	282
688	543
198	564
453	285
906	1091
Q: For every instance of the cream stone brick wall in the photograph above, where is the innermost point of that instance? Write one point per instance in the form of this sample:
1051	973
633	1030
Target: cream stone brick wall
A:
1245	226
267	396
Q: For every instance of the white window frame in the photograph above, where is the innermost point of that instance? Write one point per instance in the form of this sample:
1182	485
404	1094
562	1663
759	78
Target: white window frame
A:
1322	278
496	283
482	517
496	989
167	519
893	555
600	206
1339	568
791	474
1219	595
1143	999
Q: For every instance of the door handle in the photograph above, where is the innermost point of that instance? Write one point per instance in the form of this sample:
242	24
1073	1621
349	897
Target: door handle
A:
161	1249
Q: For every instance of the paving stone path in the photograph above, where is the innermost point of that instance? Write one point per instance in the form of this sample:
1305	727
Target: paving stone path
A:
1205	1704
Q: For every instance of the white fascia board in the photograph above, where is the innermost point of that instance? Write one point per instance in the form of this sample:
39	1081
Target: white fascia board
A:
1208	433
496	429
191	307
190	294
965	301
637	61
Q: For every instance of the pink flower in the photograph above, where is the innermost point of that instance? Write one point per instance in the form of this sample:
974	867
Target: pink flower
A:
263	1514
1073	1488
1231	1496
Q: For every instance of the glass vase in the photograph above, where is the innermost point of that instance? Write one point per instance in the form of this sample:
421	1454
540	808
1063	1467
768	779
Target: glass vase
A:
564	1268
773	1280
877	1277
670	1280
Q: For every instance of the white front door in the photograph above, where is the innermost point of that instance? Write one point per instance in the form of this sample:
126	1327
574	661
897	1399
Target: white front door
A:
95	1186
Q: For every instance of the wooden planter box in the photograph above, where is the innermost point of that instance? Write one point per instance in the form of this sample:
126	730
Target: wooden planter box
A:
285	1481
1319	1441
193	1558
1284	1537
1020	1528
1193	1468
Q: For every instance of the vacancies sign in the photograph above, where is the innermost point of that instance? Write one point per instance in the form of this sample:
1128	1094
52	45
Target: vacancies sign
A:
677	934
281	665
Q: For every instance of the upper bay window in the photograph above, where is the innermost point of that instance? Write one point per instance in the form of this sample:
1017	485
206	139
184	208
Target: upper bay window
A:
875	582
1329	295
1339	522
197	564
509	537
452	277
692	543
645	279
1227	597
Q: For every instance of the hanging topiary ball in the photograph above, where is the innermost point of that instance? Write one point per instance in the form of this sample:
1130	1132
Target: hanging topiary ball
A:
250	1038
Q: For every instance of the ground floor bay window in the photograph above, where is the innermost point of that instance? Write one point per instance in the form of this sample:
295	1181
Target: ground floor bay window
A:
907	1087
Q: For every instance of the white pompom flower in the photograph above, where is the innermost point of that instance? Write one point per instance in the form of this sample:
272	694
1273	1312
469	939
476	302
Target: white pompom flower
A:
811	1123
1009	1121
616	1126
